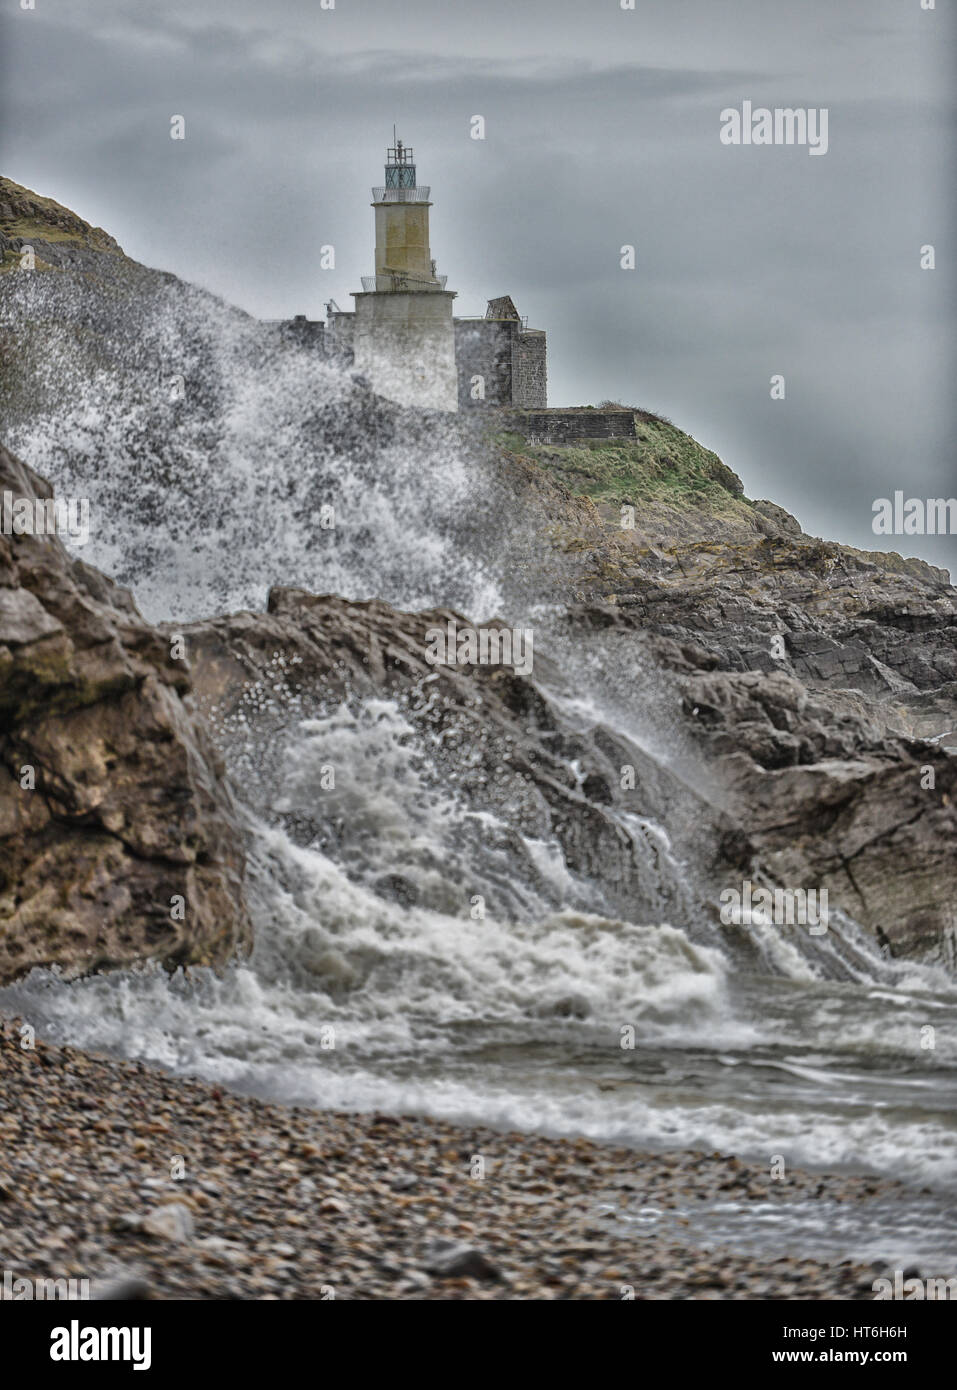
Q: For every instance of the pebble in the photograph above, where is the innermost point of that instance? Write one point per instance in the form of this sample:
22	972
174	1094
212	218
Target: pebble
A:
287	1203
448	1260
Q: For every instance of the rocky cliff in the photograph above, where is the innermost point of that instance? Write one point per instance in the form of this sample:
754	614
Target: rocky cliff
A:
58	237
119	841
817	682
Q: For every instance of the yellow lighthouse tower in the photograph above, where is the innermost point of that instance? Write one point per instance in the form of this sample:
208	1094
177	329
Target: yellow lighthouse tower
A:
404	337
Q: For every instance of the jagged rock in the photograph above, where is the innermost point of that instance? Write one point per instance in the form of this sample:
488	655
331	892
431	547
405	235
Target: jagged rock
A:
59	237
837	619
112	800
807	783
820	685
825	798
780	519
496	736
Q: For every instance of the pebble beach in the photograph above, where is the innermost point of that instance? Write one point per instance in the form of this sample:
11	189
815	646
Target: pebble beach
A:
152	1186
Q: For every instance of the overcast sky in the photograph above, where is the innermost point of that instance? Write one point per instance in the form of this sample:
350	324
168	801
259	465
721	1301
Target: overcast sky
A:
602	129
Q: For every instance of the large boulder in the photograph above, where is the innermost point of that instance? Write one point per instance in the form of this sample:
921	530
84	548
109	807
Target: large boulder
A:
119	839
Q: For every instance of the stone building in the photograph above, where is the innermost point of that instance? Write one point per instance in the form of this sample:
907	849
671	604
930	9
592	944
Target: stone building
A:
500	360
402	337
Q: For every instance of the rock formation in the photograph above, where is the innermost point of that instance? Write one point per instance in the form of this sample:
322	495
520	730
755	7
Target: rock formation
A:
119	841
791	786
818	682
58	237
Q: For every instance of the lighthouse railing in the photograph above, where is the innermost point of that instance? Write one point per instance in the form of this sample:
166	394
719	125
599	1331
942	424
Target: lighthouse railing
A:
394	281
401	195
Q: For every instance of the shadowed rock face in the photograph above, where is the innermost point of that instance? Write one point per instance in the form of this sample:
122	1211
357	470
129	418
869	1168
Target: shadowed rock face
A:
820	795
819	684
129	809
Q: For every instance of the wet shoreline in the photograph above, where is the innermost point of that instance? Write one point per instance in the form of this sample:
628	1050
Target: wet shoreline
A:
152	1185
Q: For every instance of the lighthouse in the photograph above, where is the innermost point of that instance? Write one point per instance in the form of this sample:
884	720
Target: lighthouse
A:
403	334
402	338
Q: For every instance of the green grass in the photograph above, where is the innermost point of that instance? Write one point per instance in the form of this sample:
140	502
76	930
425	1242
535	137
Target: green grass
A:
661	463
42	223
43	231
10	260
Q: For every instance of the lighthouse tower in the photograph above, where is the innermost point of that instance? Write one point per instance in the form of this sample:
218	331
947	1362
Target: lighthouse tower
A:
404	340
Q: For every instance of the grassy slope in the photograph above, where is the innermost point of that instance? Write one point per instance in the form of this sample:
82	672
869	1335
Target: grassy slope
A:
25	215
661	471
684	497
662	464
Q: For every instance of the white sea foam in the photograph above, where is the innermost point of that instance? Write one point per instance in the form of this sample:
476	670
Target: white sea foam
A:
362	893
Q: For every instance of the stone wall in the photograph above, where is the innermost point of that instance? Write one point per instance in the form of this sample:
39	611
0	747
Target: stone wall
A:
509	359
564	426
529	372
483	348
